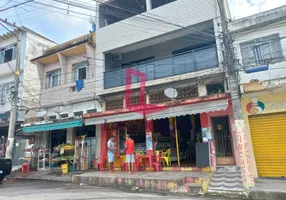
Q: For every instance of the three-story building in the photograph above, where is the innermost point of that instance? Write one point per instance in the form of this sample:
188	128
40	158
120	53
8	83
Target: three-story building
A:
67	81
163	81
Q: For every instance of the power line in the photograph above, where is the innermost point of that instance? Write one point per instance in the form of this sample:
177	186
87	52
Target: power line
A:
14	6
6	3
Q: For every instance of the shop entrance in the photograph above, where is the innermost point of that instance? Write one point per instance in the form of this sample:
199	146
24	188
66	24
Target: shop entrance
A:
188	130
223	141
58	137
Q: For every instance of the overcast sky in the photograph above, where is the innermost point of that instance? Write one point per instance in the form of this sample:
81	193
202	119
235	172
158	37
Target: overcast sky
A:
63	25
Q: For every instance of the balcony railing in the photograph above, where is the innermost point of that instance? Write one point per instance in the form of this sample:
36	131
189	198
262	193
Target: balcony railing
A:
191	61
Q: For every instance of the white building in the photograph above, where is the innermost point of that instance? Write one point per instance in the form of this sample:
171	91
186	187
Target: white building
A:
59	118
32	45
260	42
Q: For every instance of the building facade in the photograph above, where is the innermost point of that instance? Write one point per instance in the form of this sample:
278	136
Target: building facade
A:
163	81
260	47
67	92
32	45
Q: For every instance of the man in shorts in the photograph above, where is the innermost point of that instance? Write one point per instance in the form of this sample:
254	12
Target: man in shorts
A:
130	149
110	153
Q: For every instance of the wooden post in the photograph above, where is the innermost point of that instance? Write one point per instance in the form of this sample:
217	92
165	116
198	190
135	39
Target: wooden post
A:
177	143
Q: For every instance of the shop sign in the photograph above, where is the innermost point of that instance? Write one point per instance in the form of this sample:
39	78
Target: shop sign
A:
149	143
266	104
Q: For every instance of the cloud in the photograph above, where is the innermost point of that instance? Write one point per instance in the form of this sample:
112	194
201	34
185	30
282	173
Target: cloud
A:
244	8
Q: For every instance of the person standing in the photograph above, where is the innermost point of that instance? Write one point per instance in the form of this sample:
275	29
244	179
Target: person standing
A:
111	151
130	149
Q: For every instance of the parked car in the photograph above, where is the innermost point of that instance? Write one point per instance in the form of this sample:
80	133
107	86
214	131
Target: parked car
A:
5	168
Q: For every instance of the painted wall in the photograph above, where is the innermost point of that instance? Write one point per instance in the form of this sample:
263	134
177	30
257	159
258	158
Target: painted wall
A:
273	101
63	92
277	70
132	30
133	33
206	122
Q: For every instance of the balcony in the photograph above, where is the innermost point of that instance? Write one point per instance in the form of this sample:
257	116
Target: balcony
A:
182	63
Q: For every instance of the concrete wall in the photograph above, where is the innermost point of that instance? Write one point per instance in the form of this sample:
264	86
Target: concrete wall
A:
139	28
135	33
260	25
63	93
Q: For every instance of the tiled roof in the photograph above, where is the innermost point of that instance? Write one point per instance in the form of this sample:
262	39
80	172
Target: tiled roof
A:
88	38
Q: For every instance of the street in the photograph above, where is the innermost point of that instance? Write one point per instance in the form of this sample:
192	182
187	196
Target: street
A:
42	190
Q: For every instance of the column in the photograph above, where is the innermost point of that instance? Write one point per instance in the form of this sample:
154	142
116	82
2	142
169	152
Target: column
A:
148	5
207	137
104	139
98	141
149	129
70	136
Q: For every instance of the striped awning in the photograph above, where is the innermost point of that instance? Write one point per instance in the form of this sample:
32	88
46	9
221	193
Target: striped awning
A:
190	109
52	126
113	118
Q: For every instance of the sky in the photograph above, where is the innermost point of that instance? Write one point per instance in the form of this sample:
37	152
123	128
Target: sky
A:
68	22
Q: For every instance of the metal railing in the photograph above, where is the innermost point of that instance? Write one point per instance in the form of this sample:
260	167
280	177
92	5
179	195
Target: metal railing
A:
191	61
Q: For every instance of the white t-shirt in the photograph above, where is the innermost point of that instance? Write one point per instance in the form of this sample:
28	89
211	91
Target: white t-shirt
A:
110	145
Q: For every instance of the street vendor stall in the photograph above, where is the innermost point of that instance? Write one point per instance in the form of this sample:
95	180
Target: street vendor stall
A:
64	155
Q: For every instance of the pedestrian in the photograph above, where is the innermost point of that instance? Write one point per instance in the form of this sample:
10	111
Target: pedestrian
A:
130	150
111	151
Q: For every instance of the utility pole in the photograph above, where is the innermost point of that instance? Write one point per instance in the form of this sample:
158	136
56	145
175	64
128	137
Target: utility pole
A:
229	62
14	95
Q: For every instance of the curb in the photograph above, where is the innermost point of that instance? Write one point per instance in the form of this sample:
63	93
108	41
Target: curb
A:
265	195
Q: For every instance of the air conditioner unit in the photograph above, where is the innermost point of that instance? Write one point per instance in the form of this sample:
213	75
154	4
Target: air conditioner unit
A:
117	57
2	101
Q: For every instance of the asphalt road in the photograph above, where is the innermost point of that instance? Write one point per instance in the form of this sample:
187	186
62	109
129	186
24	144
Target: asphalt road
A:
42	190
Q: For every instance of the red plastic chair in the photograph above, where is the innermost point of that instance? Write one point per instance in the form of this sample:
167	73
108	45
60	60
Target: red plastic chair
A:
99	162
137	163
157	162
123	164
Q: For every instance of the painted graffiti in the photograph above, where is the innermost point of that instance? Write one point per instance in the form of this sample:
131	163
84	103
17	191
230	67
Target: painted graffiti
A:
245	164
141	107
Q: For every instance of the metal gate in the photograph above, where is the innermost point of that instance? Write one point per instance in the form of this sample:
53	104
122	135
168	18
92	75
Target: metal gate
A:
267	133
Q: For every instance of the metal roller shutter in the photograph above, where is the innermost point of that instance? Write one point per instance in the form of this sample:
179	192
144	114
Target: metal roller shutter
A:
268	134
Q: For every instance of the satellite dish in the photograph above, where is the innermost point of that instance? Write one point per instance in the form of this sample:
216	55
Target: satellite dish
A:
171	93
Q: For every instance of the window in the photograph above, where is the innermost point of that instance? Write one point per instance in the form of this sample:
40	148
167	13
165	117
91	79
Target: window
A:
158	3
5	90
54	78
261	51
8	53
80	70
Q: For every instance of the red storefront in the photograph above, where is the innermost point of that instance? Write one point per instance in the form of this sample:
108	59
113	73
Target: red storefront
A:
196	131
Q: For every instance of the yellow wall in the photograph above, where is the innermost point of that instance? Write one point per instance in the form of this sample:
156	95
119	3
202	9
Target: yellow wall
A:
272	103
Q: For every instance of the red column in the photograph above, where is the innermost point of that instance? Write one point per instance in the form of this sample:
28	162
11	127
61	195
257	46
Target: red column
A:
205	124
149	129
104	139
204	120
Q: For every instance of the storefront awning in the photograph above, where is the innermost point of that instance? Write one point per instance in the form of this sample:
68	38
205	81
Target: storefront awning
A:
190	109
113	118
52	126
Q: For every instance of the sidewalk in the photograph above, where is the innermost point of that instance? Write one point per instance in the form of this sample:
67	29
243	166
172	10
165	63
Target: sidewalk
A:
268	189
190	183
48	175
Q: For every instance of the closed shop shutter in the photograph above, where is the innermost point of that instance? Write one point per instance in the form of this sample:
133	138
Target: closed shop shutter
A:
268	134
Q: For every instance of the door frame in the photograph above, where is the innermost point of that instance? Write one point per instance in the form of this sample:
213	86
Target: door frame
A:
223	160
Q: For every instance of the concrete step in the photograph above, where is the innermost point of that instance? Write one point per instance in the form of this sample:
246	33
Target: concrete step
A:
193	188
